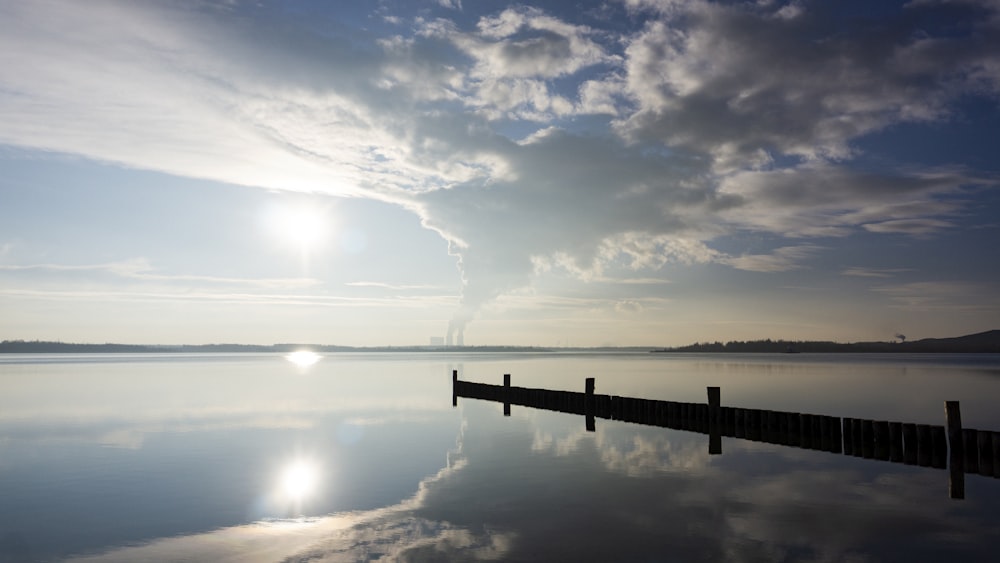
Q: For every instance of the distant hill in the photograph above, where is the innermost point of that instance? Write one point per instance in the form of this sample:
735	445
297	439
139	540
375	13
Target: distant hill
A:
988	341
982	342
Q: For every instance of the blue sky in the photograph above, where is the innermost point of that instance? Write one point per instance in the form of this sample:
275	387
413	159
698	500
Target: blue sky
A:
627	172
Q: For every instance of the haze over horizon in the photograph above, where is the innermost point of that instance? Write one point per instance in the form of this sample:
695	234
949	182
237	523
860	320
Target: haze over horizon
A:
549	173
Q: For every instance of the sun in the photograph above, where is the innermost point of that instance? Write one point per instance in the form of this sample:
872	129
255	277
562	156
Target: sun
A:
302	225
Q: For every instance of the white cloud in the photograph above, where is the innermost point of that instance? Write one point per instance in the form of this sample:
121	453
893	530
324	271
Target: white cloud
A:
818	199
873	272
918	226
780	260
946	296
514	54
731	80
139	269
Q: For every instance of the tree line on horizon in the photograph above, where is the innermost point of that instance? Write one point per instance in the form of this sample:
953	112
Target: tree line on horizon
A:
983	342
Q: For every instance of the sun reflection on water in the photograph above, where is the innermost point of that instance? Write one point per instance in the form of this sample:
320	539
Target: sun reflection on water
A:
299	480
303	358
296	484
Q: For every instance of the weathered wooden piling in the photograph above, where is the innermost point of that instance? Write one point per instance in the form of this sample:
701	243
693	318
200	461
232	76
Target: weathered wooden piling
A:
760	425
588	404
506	394
867	439
985	440
956	450
996	453
970	442
794	431
783	437
910	443
805	431
896	442
848	442
857	437
924	445
739	423
939	448
729	421
770	428
836	436
714	416
880	433
822	432
454	387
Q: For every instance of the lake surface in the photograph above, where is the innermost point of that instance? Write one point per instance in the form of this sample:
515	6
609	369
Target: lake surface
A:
362	457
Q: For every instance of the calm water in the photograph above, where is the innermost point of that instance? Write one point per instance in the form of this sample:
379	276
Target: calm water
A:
362	456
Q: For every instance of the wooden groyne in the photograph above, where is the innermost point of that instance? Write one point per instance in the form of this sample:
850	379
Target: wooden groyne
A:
961	450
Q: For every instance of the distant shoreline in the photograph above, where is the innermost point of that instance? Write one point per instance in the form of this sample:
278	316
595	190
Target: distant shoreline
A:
983	342
53	347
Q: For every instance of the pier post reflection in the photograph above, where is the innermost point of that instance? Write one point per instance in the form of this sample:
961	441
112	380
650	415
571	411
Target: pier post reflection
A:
960	450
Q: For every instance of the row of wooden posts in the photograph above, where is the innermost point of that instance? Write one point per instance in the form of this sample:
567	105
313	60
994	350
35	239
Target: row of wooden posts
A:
962	450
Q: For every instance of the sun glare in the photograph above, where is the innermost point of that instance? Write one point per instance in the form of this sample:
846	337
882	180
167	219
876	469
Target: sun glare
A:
299	480
300	225
303	358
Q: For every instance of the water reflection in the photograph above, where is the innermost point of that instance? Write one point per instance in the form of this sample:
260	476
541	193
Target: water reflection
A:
400	475
299	479
303	358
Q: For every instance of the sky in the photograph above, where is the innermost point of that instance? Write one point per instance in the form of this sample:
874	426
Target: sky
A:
589	173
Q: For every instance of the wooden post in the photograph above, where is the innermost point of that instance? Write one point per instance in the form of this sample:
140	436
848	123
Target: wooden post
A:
783	428
819	431
588	403
739	423
794	429
867	439
953	416
896	442
759	425
771	427
856	445
924	445
956	450
836	437
714	401
910	443
970	442
996	454
848	443
454	387
714	414
939	448
506	394
986	453
881	435
805	431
